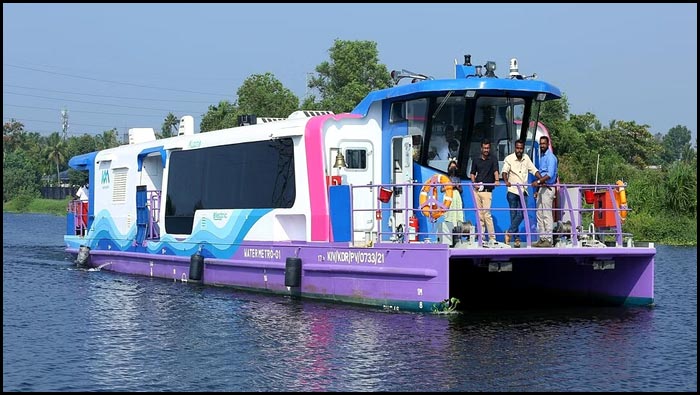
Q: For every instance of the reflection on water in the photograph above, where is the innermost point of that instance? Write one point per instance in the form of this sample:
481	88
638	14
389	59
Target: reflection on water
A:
69	329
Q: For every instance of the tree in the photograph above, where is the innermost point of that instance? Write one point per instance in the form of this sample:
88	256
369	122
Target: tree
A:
264	95
19	176
633	142
78	145
13	127
553	114
585	123
353	72
222	116
10	133
170	124
56	153
675	143
108	139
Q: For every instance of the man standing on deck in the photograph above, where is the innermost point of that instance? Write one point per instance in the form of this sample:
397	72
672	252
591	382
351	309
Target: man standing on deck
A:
83	195
516	166
485	171
545	194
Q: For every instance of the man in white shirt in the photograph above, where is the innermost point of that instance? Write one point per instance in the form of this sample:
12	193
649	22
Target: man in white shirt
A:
82	193
516	166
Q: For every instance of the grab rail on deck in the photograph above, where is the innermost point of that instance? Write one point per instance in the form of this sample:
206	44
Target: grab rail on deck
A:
153	219
586	224
79	209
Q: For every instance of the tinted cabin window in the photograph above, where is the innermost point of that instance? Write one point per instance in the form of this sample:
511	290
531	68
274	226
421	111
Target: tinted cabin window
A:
446	130
495	119
398	112
241	176
356	158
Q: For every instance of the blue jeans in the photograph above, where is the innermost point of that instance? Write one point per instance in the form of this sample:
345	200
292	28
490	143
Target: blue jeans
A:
516	212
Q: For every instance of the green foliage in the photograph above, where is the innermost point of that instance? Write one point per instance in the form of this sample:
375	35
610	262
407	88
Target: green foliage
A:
56	153
35	205
19	176
170	124
664	205
681	183
554	112
675	144
646	192
662	228
580	167
569	140
12	128
11	132
632	141
264	95
585	123
672	191
77	178
108	139
222	116
49	206
310	103
81	145
24	198
446	306
353	72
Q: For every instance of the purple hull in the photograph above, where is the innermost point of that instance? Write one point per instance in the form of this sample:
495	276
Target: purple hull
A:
418	277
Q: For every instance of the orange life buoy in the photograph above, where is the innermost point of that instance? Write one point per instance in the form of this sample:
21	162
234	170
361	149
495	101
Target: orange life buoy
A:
621	198
428	196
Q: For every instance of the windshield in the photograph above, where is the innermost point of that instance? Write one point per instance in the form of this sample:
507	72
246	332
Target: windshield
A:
452	127
458	125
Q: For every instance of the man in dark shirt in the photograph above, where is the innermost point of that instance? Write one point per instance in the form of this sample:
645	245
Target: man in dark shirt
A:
485	171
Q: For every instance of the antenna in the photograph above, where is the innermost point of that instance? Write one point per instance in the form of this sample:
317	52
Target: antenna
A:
64	123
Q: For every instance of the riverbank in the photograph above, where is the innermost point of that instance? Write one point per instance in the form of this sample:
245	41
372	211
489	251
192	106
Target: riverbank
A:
658	229
39	206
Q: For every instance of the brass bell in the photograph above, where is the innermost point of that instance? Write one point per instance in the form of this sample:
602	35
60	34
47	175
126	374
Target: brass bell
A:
339	161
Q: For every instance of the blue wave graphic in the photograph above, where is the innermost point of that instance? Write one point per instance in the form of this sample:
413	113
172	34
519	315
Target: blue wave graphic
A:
210	240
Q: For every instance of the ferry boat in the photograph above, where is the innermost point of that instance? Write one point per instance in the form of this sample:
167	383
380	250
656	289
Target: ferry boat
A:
349	207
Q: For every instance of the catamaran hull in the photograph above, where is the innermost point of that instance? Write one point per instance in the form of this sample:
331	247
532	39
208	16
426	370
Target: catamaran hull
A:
414	277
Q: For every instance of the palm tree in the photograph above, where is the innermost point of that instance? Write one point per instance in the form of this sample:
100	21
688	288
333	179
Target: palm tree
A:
108	139
56	153
171	122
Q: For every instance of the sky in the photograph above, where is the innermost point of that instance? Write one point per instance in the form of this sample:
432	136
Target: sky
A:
129	65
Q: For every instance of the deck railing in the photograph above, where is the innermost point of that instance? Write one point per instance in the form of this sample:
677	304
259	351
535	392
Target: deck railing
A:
79	209
583	216
153	219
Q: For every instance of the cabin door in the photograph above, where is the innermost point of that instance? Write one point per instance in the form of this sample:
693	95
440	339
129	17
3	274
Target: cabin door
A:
359	171
402	173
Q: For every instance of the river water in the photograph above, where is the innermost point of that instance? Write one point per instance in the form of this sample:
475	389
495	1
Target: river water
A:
69	329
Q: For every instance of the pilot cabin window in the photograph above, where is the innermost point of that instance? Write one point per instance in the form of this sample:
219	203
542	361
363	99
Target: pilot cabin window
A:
356	159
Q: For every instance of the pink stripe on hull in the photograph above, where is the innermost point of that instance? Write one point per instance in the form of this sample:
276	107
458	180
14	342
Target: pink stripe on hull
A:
318	196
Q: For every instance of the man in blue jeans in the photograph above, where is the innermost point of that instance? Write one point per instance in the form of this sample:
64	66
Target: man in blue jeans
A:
546	193
516	167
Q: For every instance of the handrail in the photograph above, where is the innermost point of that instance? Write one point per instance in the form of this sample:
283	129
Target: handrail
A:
79	209
571	206
154	200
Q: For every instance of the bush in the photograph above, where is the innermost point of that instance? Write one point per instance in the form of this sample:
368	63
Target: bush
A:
23	198
662	228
